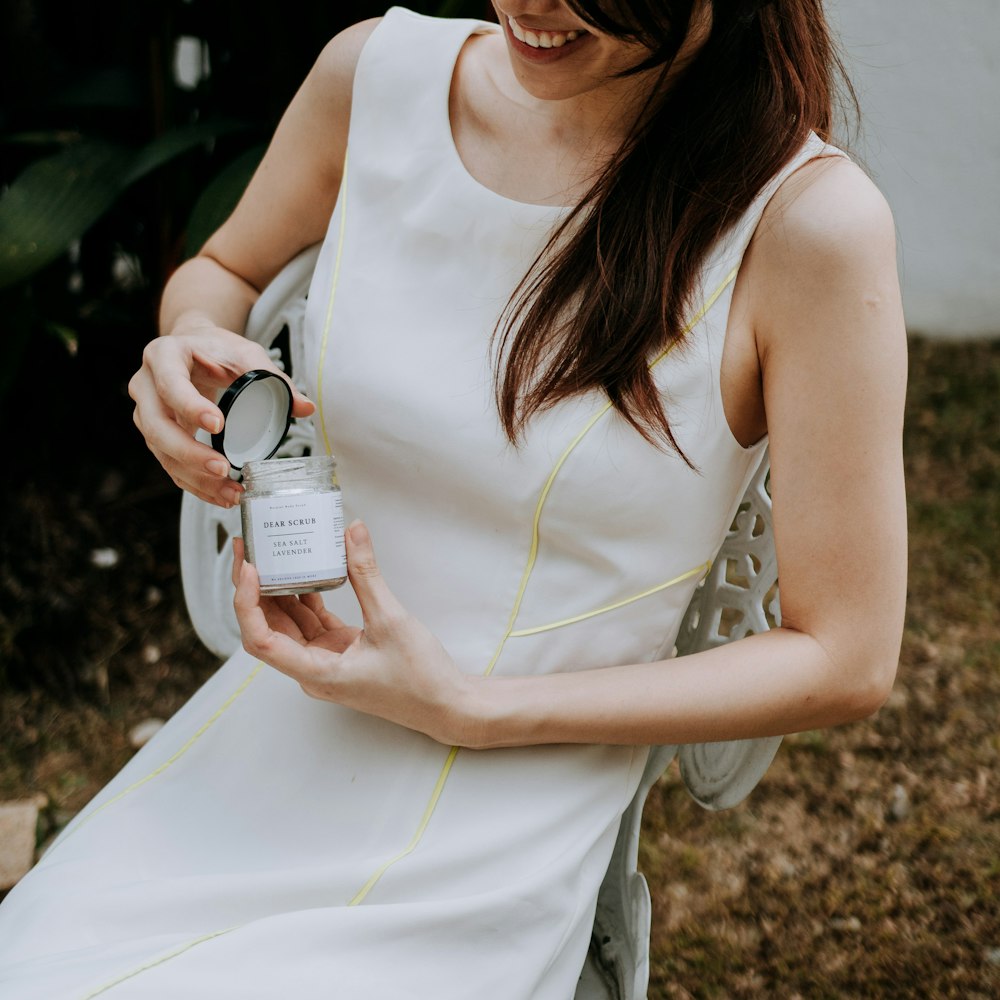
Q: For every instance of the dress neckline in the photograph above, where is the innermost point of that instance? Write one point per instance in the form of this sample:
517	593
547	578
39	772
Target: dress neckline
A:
470	29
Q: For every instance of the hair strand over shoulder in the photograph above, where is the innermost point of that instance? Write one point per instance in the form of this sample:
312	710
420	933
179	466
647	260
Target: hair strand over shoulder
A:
615	282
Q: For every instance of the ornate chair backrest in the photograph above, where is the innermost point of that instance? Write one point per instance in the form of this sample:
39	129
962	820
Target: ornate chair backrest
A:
737	597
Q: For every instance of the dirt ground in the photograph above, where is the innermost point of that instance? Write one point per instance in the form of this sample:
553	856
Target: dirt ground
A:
866	864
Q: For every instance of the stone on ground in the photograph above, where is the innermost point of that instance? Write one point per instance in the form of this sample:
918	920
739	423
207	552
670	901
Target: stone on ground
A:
18	822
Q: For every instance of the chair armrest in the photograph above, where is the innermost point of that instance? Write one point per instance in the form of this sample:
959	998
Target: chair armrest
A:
738	597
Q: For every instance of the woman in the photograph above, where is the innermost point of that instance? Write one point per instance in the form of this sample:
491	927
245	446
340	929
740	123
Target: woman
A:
576	270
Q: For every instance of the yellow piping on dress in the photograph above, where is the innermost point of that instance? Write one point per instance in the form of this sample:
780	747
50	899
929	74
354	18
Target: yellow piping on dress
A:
205	726
158	961
424	820
697	571
525	576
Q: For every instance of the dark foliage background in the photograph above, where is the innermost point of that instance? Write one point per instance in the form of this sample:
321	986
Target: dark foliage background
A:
111	174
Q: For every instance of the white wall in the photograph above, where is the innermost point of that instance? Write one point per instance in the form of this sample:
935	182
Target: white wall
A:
927	74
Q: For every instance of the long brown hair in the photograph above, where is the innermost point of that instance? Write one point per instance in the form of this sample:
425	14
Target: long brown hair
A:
615	282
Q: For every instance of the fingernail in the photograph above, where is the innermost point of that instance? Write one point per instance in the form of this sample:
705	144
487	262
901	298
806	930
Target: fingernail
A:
217	467
356	530
211	423
233	496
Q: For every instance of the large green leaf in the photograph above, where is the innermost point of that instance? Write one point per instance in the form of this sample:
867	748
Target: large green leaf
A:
218	200
55	201
178	141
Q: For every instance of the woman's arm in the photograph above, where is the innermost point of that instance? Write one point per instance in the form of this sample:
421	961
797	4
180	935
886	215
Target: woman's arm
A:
285	208
825	305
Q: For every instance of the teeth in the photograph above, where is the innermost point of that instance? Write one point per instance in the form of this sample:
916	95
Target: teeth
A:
541	39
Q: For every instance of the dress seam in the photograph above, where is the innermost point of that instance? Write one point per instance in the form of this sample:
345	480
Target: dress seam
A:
172	759
698	570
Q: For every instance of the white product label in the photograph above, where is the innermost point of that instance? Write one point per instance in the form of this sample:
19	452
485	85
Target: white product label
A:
298	539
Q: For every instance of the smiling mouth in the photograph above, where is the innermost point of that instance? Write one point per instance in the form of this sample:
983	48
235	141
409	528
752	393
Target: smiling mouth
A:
536	39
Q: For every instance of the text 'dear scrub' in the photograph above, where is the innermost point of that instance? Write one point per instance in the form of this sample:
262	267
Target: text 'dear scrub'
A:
291	509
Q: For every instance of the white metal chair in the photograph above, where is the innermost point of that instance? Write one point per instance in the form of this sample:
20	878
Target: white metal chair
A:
738	596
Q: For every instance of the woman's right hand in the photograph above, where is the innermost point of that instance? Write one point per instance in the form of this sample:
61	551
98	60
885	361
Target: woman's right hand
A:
174	393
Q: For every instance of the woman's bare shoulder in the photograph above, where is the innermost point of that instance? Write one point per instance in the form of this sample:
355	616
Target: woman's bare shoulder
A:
337	62
827	239
827	213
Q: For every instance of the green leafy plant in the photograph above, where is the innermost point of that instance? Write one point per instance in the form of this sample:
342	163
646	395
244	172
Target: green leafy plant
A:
113	169
55	200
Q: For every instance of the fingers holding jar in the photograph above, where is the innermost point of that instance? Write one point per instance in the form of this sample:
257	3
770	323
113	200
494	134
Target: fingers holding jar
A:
174	393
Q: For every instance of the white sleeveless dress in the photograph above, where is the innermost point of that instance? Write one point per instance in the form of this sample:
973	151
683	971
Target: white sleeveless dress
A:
265	844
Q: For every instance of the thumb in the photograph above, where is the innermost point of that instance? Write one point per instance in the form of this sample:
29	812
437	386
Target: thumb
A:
378	603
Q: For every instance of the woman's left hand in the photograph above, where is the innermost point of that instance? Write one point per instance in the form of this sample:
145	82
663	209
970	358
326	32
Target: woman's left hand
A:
393	667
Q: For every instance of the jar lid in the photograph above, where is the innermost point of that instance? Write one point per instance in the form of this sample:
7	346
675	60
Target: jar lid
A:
257	409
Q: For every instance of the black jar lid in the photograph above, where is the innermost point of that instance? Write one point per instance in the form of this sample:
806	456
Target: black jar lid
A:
257	409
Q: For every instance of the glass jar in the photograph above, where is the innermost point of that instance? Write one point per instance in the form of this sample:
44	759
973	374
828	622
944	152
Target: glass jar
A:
293	524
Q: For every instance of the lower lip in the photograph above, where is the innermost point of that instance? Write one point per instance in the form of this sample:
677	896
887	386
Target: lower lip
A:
539	55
